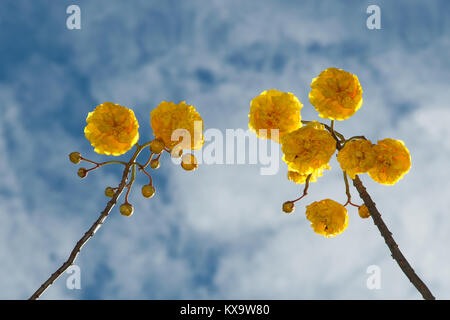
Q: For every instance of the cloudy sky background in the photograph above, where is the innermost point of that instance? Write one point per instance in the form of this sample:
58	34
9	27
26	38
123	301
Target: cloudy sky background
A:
218	232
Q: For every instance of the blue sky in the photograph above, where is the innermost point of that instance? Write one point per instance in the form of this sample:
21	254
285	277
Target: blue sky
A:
218	232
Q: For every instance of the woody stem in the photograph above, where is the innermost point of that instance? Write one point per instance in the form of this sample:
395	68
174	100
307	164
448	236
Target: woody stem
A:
396	254
93	229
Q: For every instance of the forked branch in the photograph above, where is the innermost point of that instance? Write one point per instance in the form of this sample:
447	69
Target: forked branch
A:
90	233
397	255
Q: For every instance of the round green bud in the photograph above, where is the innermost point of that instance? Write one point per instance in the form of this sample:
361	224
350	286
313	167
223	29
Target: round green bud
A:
109	192
189	162
157	146
288	207
154	164
82	172
75	157
126	209
148	191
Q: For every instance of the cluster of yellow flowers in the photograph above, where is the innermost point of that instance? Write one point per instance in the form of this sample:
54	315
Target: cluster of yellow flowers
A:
386	162
112	129
308	146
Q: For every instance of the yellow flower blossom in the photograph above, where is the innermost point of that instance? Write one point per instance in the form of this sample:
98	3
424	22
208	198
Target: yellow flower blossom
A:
393	161
328	217
357	156
336	94
112	129
168	117
363	211
308	148
274	109
300	178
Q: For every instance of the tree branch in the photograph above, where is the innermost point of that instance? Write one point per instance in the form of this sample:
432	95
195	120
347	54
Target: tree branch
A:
397	255
90	233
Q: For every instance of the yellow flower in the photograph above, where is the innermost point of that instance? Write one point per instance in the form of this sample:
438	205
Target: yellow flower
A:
328	217
393	161
308	148
274	109
363	211
300	178
168	117
112	129
336	94
357	156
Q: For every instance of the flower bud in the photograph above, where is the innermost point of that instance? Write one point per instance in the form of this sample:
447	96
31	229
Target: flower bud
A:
82	172
126	209
75	157
109	192
148	191
157	146
154	164
363	211
288	207
189	162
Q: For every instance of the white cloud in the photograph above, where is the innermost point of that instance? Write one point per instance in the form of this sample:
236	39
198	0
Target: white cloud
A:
219	232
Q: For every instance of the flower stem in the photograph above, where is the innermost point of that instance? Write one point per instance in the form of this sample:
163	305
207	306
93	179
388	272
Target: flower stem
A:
305	190
347	191
148	161
142	168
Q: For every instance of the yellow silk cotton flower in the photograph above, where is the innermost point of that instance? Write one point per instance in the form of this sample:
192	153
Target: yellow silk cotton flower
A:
274	109
357	156
308	148
336	94
328	217
112	129
168	117
300	178
393	161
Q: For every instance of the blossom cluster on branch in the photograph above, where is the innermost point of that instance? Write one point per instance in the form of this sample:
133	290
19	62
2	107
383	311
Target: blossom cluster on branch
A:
308	146
112	129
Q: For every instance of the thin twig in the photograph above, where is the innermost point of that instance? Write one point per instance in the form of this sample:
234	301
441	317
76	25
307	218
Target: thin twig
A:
142	168
347	191
305	190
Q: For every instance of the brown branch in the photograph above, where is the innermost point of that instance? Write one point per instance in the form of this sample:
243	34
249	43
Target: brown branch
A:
397	255
90	233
